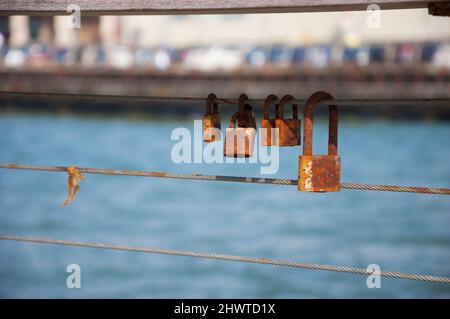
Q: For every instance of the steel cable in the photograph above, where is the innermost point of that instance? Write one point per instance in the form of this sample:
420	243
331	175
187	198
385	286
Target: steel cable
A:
256	260
221	178
229	101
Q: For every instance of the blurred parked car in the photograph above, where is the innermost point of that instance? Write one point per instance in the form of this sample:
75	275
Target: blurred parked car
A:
119	57
162	59
376	54
214	59
15	58
406	53
319	56
441	58
38	55
298	55
178	56
350	55
256	56
280	55
428	51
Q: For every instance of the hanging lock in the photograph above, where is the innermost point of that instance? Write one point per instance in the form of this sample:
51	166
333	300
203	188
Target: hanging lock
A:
249	119
240	141
211	120
319	173
268	124
289	130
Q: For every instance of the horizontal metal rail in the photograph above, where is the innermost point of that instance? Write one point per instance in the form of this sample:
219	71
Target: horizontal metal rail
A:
178	7
226	101
220	178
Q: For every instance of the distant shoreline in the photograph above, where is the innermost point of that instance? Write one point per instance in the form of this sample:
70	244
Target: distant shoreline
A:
343	83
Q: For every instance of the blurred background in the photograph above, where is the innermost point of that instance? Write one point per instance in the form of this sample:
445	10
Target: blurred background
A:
407	57
259	54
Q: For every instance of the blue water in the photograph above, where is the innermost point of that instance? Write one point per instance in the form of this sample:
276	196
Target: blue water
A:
399	232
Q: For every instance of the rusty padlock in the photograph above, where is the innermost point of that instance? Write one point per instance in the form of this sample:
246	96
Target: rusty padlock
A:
289	130
240	141
268	124
319	173
211	120
249	119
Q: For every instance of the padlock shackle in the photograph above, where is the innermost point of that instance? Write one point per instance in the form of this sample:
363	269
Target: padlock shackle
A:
245	112
310	105
267	103
280	108
233	119
211	104
242	103
249	120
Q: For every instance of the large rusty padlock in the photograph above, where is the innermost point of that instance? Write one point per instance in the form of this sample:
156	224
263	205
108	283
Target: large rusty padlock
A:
289	130
211	120
319	173
268	124
240	141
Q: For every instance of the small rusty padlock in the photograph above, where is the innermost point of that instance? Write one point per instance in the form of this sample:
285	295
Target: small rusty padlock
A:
319	173
211	120
268	124
240	141
289	130
249	119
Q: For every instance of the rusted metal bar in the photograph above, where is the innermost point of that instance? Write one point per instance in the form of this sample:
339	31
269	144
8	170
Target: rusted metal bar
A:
178	7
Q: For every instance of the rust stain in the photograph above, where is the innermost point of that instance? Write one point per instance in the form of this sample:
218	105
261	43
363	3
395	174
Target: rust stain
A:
211	120
211	127
288	129
267	127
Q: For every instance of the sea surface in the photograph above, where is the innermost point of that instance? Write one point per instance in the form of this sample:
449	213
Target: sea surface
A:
397	231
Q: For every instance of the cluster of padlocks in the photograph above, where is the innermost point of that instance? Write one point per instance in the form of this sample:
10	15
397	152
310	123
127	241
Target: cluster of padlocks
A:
317	173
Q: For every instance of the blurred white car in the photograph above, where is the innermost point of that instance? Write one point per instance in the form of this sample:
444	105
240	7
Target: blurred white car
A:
318	56
441	58
162	59
15	58
213	59
119	57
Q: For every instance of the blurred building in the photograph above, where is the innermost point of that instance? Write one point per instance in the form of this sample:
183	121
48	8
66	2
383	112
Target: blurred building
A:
229	42
225	30
408	56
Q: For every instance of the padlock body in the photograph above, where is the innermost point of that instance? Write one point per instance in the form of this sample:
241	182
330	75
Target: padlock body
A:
210	123
319	173
289	132
239	142
266	135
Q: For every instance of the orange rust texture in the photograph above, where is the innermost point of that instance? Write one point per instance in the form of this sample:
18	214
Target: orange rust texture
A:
319	173
288	129
268	123
266	133
211	123
159	174
288	132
